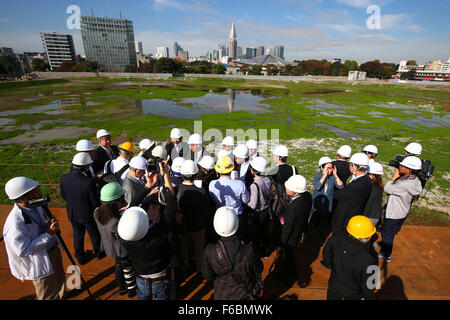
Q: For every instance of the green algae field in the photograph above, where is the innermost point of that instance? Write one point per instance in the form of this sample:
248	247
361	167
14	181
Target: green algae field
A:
41	121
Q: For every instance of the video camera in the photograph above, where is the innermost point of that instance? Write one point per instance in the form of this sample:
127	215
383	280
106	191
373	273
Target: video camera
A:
153	164
35	203
423	174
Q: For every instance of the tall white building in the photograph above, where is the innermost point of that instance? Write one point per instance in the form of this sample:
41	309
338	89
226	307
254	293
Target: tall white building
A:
58	48
232	43
162	52
138	46
445	67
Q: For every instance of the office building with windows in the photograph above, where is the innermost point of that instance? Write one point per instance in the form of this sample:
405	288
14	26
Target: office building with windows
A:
58	48
109	42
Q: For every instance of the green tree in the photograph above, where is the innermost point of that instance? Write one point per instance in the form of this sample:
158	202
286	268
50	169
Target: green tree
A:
147	67
66	66
255	70
351	65
131	68
410	75
411	63
168	65
39	65
218	69
86	66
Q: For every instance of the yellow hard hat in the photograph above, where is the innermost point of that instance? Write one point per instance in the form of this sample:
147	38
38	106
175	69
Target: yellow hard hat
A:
360	227
128	146
224	165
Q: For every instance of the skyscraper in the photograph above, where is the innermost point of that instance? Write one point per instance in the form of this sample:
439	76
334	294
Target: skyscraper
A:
183	55
279	51
109	41
162	52
58	48
232	43
138	47
176	48
260	51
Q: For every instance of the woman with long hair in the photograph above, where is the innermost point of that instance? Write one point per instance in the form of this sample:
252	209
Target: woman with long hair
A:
107	217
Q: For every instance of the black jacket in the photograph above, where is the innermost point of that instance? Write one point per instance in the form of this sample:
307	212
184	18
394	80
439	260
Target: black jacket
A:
294	220
351	201
152	253
374	204
100	157
282	173
349	259
343	170
194	205
81	195
247	266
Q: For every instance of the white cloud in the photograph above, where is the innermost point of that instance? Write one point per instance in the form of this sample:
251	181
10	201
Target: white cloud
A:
363	3
4	20
400	21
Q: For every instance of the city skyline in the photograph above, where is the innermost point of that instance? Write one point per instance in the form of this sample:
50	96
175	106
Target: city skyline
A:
308	29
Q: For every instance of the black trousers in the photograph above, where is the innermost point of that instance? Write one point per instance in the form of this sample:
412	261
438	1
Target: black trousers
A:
79	230
333	294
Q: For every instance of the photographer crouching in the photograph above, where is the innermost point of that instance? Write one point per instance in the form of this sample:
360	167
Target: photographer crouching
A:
30	241
402	189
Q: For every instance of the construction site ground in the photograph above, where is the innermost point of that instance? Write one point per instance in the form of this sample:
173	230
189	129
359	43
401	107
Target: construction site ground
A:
419	270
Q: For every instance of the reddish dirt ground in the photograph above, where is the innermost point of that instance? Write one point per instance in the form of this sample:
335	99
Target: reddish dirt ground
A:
418	271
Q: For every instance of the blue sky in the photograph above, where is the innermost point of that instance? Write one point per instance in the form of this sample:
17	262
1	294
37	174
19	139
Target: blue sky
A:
321	29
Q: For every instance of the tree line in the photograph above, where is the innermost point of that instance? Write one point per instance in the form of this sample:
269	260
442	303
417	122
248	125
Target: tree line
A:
374	69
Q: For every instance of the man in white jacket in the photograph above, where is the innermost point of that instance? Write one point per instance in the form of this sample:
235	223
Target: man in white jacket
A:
30	241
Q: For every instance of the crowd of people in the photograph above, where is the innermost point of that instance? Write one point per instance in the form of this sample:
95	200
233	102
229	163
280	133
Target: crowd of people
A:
174	209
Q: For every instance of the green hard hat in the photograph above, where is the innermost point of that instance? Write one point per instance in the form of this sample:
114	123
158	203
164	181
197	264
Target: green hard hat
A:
111	192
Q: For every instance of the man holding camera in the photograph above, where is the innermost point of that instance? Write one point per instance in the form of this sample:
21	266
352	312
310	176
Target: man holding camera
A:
136	189
401	189
30	241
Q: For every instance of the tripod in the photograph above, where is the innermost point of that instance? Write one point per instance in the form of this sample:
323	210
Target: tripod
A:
43	203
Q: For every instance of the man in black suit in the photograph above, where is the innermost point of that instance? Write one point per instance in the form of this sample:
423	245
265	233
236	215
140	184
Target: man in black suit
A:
282	171
341	164
293	222
352	198
104	152
176	147
82	199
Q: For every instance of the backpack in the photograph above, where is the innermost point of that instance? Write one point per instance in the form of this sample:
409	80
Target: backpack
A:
278	199
109	176
235	277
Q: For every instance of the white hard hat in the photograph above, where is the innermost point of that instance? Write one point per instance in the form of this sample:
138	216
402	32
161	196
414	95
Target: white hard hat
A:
188	168
102	133
252	144
360	159
175	133
414	148
81	159
223	153
195	138
412	162
84	145
324	160
146	144
207	162
18	186
228	141
281	151
345	151
226	221
176	164
138	162
375	168
133	225
159	152
371	148
296	183
259	164
241	151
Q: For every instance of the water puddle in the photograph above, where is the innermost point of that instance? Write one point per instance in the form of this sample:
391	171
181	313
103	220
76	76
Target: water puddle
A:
51	108
340	132
234	100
